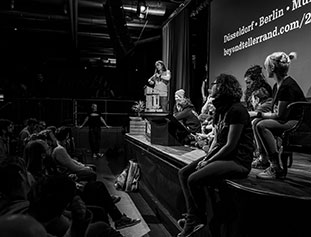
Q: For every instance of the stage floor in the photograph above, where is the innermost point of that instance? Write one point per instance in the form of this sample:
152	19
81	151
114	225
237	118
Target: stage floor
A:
297	183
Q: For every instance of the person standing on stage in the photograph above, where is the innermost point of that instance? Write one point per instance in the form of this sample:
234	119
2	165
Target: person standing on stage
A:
230	154
94	120
159	81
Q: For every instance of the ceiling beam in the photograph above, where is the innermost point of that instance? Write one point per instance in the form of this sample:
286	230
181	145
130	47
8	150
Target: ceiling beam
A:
73	16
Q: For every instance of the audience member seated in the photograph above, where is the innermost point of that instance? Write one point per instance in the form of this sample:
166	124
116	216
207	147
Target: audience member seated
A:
93	193
187	115
14	187
230	154
64	162
31	128
261	102
41	126
206	108
273	124
54	203
206	119
207	113
254	80
6	128
19	225
179	95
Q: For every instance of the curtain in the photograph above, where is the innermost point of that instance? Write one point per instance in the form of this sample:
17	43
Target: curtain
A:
176	53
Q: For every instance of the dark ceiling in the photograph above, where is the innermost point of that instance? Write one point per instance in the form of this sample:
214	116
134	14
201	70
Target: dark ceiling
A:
58	30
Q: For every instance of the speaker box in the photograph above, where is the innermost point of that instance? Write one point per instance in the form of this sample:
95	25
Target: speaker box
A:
160	134
167	131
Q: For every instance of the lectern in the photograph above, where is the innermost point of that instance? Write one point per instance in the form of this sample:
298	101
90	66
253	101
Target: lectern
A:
152	100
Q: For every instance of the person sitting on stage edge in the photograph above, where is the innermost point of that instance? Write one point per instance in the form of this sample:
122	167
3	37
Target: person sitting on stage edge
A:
207	113
285	91
179	95
230	154
187	115
159	81
261	102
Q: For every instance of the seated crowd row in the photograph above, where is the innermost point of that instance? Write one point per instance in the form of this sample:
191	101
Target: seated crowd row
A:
48	190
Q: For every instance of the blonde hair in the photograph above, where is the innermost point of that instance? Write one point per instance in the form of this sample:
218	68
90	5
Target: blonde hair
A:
280	61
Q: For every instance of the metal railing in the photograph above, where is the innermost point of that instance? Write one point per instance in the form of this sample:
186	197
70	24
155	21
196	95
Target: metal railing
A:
64	111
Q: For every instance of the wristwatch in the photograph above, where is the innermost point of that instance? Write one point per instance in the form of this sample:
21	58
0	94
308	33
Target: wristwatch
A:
259	114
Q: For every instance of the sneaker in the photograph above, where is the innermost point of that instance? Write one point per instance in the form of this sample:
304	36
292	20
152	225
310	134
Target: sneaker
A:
115	199
181	222
256	154
271	173
124	222
99	155
258	163
191	226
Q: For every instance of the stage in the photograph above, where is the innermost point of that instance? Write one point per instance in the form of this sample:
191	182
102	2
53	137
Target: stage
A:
241	207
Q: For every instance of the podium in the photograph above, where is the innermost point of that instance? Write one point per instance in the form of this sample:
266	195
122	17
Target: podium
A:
152	100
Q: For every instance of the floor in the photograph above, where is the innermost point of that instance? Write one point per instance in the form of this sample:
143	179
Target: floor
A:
133	204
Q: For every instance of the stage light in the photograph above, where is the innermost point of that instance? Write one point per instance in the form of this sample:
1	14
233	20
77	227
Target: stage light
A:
142	9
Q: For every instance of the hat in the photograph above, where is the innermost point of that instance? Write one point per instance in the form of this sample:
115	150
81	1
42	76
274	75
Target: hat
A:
180	93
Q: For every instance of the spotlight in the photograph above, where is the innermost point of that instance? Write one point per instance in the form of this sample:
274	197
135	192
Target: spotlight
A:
142	9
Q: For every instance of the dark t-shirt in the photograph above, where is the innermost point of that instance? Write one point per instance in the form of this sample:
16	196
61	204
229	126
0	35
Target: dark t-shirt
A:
237	114
94	120
190	119
291	92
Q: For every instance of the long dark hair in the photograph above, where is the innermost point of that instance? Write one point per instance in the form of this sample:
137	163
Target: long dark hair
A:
258	81
229	91
4	124
33	156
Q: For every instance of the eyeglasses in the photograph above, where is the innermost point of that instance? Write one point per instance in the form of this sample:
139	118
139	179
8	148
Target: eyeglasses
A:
214	83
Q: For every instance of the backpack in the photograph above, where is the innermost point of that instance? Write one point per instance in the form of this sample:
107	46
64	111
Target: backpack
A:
128	179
